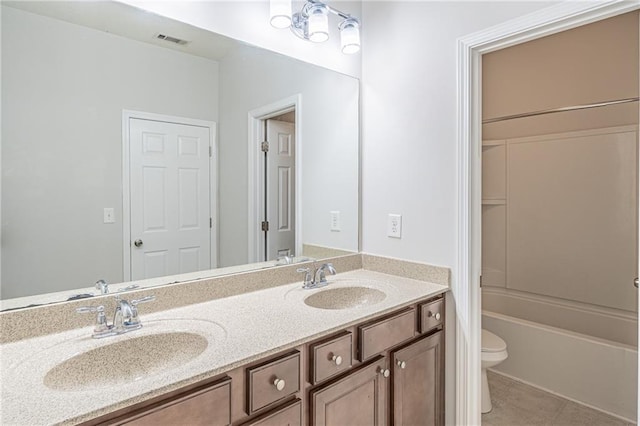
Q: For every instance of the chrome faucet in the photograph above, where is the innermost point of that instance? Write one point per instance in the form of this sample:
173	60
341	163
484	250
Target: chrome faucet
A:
286	259
122	317
103	286
318	279
125	317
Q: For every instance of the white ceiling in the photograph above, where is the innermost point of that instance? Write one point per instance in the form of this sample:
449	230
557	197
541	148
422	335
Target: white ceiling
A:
130	22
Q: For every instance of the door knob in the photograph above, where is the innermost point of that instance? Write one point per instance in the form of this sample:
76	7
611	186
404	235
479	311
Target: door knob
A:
137	243
635	283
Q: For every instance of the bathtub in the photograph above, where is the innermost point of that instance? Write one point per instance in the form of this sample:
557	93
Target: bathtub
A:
599	373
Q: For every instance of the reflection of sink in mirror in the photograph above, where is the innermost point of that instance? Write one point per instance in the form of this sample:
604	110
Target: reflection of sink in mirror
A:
345	298
125	361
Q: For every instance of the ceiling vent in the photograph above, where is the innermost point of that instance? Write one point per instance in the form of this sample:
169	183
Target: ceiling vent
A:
172	39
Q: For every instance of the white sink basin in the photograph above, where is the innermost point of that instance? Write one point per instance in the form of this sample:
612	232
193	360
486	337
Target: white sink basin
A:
345	298
124	361
162	348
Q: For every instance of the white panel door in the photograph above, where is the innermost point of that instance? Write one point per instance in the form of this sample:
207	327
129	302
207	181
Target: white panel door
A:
280	202
170	198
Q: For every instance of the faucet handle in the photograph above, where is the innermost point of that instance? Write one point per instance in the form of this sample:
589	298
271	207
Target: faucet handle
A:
127	288
145	299
308	279
89	309
134	321
101	326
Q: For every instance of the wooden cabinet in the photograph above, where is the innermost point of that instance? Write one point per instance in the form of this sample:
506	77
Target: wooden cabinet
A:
417	385
388	370
380	335
400	380
431	315
289	415
206	405
272	381
330	357
359	398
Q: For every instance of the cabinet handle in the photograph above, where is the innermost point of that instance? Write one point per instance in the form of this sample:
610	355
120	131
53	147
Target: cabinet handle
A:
401	364
337	359
385	373
279	384
437	315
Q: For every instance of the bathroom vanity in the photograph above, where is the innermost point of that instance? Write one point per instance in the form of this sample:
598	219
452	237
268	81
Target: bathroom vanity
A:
279	355
387	370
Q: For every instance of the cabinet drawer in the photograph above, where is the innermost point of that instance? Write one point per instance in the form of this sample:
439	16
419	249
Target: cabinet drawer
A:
330	357
431	315
210	405
289	415
381	335
272	381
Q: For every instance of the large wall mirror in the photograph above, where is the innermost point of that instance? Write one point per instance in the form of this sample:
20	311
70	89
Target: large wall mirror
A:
132	151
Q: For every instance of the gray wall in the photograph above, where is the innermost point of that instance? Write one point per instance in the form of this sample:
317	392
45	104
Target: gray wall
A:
64	89
251	78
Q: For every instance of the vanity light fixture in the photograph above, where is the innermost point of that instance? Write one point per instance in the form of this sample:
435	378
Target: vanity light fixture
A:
312	23
280	11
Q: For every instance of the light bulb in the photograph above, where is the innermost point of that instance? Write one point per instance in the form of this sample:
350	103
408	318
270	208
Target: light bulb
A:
318	24
350	36
280	13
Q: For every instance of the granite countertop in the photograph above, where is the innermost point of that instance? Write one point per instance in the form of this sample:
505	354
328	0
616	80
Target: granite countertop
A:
239	329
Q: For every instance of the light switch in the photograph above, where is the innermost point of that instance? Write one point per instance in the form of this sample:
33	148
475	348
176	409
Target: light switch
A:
394	226
335	221
109	215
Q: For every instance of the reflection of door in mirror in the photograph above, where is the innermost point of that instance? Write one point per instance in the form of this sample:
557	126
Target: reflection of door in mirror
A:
171	228
279	206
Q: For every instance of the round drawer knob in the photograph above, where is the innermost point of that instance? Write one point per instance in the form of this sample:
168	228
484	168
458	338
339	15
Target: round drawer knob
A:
279	384
337	359
385	373
401	364
437	315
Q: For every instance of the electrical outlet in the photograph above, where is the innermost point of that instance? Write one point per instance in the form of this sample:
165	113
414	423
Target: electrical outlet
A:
335	221
394	226
109	215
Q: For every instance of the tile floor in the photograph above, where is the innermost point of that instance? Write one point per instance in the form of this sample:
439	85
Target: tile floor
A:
517	404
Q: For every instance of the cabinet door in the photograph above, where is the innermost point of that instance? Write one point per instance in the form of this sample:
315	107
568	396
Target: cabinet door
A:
289	415
417	390
357	399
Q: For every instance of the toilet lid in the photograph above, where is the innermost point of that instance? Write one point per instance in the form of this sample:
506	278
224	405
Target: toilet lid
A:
492	343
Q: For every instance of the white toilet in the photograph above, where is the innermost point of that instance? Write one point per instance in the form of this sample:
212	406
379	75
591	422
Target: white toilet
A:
494	351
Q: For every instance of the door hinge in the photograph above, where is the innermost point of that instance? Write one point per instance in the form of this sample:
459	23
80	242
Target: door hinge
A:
210	151
264	146
210	222
480	281
265	225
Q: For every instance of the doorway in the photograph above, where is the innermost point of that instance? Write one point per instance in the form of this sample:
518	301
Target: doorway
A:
169	195
466	281
275	183
278	183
